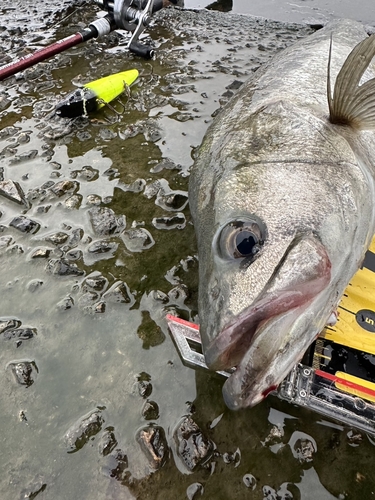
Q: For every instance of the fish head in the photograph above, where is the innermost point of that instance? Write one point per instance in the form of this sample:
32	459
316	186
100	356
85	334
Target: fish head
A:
265	265
282	202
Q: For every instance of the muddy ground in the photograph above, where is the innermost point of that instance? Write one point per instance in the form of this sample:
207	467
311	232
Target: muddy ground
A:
97	246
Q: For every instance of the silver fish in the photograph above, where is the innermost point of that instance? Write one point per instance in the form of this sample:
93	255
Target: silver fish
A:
282	197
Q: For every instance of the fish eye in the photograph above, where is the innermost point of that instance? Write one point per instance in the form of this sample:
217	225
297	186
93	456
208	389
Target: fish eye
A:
241	239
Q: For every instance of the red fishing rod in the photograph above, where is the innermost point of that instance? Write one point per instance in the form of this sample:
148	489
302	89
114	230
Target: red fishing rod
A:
98	28
130	15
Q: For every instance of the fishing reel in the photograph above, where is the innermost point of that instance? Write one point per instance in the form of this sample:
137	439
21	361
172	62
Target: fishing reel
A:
133	16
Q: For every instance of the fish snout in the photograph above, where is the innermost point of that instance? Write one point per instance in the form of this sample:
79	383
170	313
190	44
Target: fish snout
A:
268	338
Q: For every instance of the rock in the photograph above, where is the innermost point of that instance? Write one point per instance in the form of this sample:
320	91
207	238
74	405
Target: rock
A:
8	132
34	285
104	221
194	491
150	410
87	173
74	254
249	481
275	436
46	185
83	429
144	385
119	293
112	173
88	298
22	416
36	194
95	281
135	187
24	224
9	324
178	293
102	246
5	101
235	85
269	493
25	156
151	131
66	303
14	249
41	253
144	388
61	267
107	442
5	241
20	333
193	447
43	209
154	188
73	202
137	239
13	191
177	221
165	164
24	372
107	134
159	296
63	187
172	201
93	199
153	443
304	450
354	438
75	237
303	447
99	308
58	238
232	458
33	490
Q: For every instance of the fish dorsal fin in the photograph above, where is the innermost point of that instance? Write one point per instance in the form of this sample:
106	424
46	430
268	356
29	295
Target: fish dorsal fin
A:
353	104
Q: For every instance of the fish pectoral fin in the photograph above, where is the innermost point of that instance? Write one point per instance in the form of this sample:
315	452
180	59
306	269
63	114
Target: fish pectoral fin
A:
352	104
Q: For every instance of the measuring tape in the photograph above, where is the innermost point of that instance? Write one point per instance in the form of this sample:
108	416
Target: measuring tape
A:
353	336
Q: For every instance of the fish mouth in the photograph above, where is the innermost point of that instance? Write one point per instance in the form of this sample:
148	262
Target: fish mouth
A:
228	348
286	297
262	368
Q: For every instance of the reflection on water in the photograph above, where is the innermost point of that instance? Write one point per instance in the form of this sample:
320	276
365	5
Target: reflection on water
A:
96	247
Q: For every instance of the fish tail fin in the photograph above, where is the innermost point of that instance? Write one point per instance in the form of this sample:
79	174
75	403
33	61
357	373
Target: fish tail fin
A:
353	104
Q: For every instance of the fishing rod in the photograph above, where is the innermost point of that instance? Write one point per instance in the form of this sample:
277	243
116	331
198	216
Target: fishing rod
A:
129	15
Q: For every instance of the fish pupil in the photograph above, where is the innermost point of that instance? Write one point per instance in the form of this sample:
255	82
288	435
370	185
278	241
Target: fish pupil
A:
246	243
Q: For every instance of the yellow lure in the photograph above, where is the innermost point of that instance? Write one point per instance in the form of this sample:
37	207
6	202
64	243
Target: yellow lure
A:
94	95
110	87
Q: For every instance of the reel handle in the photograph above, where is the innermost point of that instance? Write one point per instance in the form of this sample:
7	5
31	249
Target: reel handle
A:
141	49
133	16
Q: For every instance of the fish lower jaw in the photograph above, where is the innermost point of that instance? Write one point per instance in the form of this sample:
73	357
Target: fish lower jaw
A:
224	354
235	403
227	350
266	360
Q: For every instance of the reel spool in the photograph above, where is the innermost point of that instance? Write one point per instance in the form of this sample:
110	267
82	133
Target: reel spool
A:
133	16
